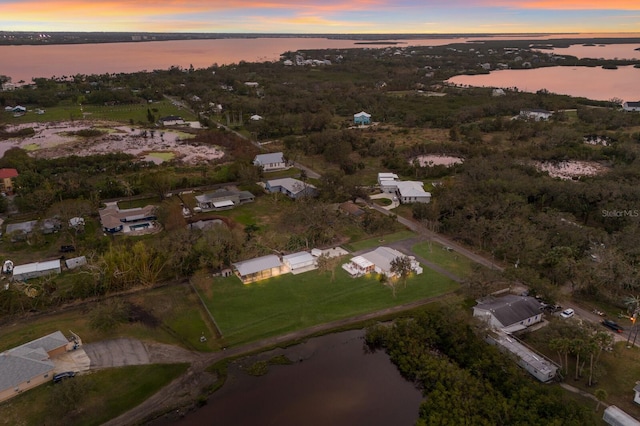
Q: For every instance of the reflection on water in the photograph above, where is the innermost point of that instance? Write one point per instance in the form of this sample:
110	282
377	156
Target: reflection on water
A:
336	383
588	82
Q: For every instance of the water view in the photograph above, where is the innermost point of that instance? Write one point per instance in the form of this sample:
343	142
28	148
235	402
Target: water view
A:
588	82
332	381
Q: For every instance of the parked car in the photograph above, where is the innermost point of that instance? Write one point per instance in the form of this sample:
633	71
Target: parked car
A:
67	249
64	375
567	313
612	325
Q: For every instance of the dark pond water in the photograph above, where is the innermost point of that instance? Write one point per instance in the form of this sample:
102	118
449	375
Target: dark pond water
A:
333	381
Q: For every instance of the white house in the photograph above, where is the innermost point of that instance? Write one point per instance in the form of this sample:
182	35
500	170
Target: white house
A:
270	161
260	268
379	261
535	363
535	114
406	191
631	106
36	269
509	313
361	118
300	262
615	416
255	117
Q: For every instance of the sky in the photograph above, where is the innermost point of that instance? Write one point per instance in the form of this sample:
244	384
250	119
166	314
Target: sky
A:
323	16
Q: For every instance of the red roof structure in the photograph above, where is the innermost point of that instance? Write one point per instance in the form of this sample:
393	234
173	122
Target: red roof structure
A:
8	173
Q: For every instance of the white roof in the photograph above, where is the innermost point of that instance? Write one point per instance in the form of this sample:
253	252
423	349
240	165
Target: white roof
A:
362	114
412	189
290	184
224	203
75	262
272	157
382	257
361	262
36	267
251	266
384	176
256	117
298	258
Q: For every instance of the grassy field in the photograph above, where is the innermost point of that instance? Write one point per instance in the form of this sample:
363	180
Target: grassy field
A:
290	302
377	241
179	320
449	260
124	113
127	387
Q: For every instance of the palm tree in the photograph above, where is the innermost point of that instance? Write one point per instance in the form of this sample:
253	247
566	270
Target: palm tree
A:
601	394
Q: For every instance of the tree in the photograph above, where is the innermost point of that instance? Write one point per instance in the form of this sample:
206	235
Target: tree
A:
401	266
601	395
327	263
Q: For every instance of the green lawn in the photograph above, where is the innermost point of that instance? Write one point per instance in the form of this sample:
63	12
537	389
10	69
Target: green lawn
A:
449	260
291	302
109	393
380	240
123	113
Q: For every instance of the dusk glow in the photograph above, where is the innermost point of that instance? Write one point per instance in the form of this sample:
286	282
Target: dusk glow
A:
322	16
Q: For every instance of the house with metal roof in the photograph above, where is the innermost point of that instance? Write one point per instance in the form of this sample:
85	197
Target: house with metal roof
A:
362	118
533	362
407	191
615	416
29	365
35	270
260	268
378	261
300	262
509	313
292	188
223	199
271	161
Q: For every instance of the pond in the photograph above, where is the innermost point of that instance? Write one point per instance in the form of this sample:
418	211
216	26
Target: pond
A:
332	381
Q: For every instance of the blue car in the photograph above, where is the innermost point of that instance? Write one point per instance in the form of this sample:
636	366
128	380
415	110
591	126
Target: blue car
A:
64	375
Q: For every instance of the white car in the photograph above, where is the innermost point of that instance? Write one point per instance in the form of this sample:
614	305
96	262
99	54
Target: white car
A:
567	313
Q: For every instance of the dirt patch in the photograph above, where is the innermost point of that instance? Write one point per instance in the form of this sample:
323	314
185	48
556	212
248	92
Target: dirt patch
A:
55	140
437	160
568	170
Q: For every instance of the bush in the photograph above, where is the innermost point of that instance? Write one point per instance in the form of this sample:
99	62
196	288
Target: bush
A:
109	315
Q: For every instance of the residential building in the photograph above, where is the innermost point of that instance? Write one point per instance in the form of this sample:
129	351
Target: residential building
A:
631	106
260	268
223	199
292	188
171	120
509	313
378	261
406	191
535	114
615	416
255	117
300	262
362	118
114	220
270	162
35	270
29	365
533	362
6	180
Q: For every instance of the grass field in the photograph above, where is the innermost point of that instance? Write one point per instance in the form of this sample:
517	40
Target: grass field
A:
124	113
291	302
449	260
127	387
377	241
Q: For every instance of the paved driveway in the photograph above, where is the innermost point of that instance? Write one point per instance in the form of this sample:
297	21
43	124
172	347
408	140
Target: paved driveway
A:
116	353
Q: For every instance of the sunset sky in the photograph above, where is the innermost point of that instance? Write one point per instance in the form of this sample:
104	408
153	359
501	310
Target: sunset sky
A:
322	16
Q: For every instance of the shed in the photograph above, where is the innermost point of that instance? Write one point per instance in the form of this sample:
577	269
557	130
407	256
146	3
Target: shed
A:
36	269
75	262
362	118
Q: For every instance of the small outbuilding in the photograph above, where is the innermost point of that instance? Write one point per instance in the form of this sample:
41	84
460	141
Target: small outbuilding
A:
300	262
615	416
260	268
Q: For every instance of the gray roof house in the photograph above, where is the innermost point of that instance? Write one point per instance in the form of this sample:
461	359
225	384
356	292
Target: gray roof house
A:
509	313
271	161
223	199
29	365
292	188
259	268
